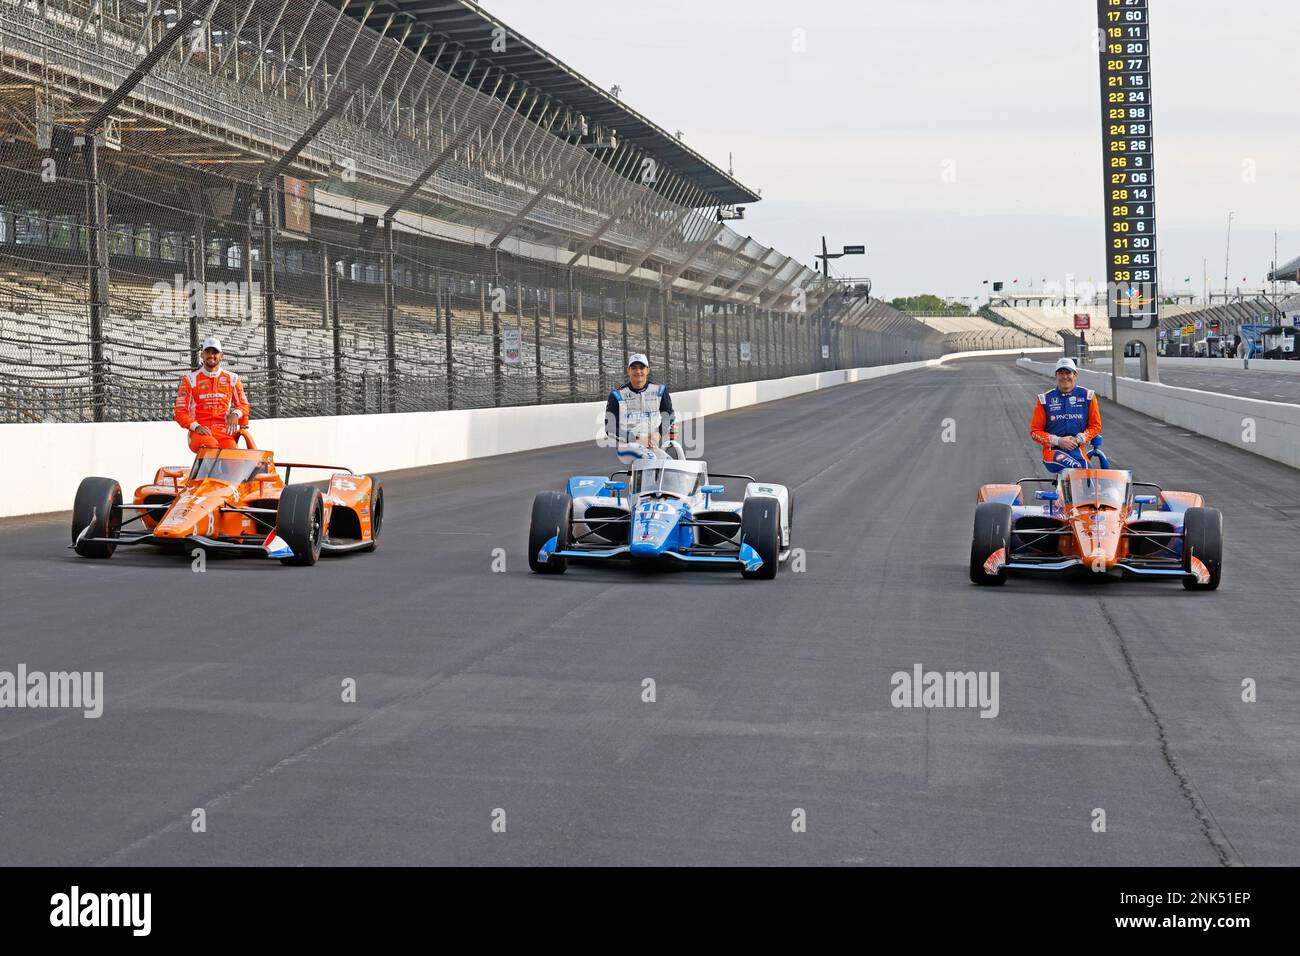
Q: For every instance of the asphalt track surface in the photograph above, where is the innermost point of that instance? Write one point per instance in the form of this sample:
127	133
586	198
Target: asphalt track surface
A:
1252	383
480	691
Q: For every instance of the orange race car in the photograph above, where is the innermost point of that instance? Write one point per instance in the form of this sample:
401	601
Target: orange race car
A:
1091	522
232	500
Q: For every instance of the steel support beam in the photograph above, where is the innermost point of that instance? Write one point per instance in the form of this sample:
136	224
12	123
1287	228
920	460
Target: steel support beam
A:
438	162
655	240
276	23
293	48
726	261
622	209
561	174
758	294
320	53
735	288
160	49
695	254
397	51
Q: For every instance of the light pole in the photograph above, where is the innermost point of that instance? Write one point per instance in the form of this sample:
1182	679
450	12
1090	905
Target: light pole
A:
1226	249
825	258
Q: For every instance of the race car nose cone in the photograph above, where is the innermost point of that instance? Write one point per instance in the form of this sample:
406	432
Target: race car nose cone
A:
650	529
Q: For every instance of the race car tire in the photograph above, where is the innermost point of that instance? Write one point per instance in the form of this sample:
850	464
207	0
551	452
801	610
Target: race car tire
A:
760	528
789	516
99	505
376	513
992	532
552	511
1203	540
301	523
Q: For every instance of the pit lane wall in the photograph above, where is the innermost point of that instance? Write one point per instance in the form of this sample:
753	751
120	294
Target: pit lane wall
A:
1221	364
46	462
1270	429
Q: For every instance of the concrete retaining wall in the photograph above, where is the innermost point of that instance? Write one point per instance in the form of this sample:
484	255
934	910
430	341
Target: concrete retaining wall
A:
46	462
1270	429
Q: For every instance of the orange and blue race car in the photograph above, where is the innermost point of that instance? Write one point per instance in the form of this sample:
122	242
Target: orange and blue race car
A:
232	500
1092	521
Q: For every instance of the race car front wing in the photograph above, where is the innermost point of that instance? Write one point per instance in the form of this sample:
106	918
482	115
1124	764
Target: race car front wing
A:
746	557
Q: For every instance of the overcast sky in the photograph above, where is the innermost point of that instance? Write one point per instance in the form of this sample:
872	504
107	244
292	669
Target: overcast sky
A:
851	136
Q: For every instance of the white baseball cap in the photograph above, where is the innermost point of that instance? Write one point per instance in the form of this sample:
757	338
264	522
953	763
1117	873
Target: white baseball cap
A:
211	342
1066	364
636	357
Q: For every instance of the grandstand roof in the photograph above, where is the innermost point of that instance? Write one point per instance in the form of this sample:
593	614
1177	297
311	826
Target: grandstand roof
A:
471	28
1288	272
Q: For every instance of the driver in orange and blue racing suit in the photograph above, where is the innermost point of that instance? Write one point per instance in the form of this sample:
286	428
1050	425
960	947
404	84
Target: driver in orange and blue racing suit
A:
1065	419
210	402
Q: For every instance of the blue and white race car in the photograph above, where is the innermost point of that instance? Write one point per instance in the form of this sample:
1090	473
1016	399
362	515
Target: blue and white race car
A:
662	511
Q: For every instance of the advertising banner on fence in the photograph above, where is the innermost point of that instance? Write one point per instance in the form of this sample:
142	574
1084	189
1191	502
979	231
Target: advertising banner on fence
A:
297	206
512	346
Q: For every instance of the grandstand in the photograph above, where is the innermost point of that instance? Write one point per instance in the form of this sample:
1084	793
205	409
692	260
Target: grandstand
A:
1046	319
1183	327
1046	323
372	202
967	333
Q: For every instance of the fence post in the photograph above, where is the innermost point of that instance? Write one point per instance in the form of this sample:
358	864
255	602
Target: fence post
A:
574	306
198	273
686	351
664	304
699	340
325	271
498	385
778	343
332	282
623	360
246	260
770	350
390	314
519	317
728	311
437	298
449	355
600	342
537	349
713	328
646	327
97	256
268	301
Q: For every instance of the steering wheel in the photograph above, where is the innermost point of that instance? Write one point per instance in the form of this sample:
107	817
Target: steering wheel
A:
1097	453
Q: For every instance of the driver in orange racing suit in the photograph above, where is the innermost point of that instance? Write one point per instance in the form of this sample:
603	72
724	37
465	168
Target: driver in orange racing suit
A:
1065	420
210	402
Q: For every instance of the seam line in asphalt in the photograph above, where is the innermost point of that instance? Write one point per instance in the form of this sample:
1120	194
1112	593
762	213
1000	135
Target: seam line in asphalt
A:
1210	828
435	680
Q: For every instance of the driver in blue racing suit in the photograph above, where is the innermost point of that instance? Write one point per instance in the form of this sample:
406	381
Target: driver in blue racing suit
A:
639	415
1065	419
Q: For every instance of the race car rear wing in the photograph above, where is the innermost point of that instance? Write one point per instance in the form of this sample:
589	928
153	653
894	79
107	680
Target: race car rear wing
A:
712	475
288	467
